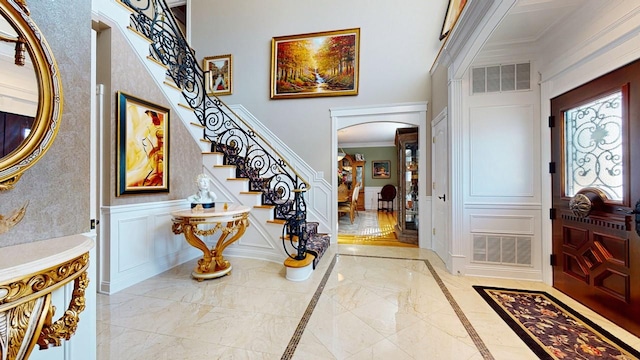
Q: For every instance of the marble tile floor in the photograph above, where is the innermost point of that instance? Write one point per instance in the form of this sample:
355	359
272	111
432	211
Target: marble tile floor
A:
362	302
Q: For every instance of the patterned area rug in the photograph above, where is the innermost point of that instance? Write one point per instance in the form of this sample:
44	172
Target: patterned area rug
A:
551	329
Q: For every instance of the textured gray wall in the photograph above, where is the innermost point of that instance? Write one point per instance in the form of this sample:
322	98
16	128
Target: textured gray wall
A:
128	75
398	43
57	187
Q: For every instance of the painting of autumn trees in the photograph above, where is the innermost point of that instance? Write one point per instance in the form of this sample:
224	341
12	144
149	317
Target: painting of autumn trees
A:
319	64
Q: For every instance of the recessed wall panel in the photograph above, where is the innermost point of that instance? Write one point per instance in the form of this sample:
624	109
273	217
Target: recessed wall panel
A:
502	148
504	224
133	249
165	242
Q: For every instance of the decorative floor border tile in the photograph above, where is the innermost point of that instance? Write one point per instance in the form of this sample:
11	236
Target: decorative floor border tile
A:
297	335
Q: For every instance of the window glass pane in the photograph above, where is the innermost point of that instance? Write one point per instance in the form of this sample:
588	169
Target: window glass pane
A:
593	147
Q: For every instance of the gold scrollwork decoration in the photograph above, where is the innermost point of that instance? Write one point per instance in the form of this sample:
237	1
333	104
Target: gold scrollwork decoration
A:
212	264
24	322
43	281
66	326
26	311
20	317
9	221
9	183
23	5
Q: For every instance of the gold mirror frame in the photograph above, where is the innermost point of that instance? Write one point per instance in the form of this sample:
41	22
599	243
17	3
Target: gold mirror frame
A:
47	120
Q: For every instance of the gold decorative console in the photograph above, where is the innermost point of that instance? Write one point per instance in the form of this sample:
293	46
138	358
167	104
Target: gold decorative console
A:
29	273
231	221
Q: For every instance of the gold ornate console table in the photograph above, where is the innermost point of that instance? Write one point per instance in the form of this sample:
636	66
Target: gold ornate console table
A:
231	221
29	273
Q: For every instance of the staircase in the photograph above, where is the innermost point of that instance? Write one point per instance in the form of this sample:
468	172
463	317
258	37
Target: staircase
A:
242	162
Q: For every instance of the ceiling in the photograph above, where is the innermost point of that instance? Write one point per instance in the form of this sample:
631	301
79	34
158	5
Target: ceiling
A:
527	22
530	20
369	135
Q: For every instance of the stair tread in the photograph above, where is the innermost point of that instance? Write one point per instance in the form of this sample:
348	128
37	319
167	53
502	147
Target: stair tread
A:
264	206
293	263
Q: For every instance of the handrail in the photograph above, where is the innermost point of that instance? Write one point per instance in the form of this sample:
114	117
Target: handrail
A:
255	158
307	185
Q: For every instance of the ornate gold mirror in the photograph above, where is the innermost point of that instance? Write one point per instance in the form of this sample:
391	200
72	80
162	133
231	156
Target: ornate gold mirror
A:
30	93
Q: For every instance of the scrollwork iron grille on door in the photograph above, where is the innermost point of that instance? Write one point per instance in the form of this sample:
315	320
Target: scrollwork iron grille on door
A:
593	147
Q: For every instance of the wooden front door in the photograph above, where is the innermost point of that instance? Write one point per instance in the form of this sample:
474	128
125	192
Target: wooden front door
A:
596	195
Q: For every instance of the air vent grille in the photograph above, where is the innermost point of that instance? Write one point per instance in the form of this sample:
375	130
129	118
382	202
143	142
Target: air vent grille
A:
498	249
501	78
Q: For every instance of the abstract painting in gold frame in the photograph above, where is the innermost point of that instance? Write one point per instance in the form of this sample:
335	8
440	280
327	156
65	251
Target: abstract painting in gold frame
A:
453	11
316	64
142	147
218	74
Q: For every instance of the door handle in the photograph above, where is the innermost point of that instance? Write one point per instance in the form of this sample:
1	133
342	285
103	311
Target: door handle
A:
443	197
628	212
634	211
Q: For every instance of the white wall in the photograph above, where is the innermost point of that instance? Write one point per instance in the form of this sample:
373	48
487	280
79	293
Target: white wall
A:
501	186
398	43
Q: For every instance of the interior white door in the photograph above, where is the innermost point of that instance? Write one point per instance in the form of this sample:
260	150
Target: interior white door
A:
440	189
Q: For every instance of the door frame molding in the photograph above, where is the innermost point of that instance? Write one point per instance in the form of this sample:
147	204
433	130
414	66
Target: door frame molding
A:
440	118
406	113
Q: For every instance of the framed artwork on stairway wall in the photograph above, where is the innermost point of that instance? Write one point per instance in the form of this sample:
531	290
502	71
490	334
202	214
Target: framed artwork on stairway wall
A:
316	64
453	11
142	148
218	74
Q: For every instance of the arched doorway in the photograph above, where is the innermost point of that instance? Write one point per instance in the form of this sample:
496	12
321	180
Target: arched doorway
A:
410	113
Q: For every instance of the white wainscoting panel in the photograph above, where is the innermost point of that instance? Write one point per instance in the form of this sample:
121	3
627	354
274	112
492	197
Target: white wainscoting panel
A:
502	224
503	242
132	233
371	198
137	243
501	151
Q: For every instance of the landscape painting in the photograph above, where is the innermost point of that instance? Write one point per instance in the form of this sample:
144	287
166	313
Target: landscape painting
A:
316	64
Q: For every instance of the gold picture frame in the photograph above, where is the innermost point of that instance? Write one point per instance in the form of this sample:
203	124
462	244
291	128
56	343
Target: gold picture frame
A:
453	11
381	169
142	147
315	64
218	74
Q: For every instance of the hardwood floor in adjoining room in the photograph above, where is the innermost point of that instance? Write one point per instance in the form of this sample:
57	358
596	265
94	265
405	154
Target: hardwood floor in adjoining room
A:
370	227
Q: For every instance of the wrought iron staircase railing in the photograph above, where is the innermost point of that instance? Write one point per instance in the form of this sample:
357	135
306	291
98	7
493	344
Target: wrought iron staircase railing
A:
255	159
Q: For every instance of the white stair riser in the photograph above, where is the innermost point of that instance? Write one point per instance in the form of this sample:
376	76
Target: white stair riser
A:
222	173
250	199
